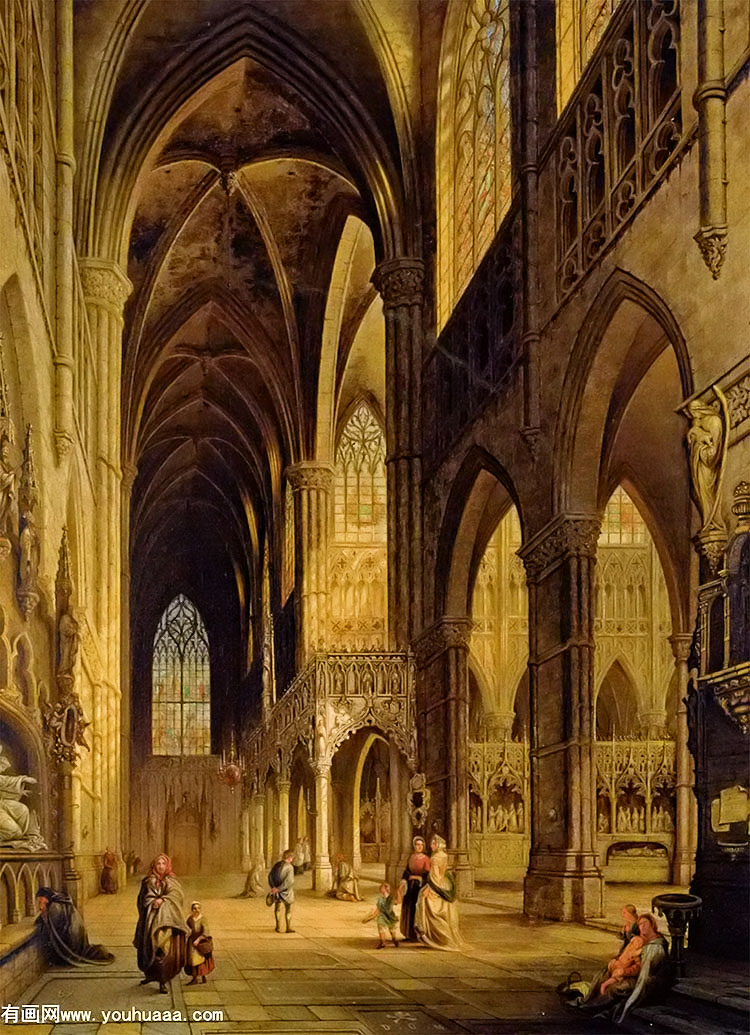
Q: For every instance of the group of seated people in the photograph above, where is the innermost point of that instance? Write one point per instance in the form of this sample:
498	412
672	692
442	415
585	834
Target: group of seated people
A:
638	973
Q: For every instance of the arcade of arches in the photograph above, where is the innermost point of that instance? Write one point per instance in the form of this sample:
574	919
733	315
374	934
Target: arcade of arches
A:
375	442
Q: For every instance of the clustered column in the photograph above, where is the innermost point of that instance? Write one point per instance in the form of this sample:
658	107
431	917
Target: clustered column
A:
400	283
105	289
322	862
563	881
311	484
443	707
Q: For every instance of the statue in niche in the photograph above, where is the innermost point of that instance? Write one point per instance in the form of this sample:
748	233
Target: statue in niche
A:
19	826
7	495
705	438
68	642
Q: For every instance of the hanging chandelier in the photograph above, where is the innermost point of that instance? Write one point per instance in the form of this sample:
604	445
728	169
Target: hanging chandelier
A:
231	769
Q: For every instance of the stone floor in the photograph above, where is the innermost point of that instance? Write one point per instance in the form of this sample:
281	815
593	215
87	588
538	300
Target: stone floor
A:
328	977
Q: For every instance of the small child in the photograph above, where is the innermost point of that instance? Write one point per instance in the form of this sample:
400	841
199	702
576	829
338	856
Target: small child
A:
200	957
627	964
385	916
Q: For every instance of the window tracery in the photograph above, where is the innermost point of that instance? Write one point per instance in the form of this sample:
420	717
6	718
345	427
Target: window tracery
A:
181	683
357	558
580	26
474	145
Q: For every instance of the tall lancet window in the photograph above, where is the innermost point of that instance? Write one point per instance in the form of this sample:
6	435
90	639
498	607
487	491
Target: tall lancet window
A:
473	142
181	683
580	26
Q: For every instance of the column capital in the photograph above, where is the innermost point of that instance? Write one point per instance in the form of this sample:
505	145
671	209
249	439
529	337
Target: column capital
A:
681	644
310	474
566	535
400	282
104	283
283	786
129	475
445	633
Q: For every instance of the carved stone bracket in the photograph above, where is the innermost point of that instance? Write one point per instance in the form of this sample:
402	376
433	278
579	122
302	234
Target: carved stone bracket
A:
566	535
712	241
444	634
400	282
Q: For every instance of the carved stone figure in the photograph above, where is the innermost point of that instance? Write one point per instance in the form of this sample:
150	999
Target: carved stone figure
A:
7	490
68	640
705	438
28	565
19	826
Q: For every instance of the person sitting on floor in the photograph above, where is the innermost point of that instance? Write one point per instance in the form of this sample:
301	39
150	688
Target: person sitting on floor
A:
345	885
63	933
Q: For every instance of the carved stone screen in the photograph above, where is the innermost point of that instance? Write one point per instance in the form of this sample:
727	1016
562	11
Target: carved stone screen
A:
181	683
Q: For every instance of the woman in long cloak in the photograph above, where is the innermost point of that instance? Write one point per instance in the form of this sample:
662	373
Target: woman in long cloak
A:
436	917
161	932
63	933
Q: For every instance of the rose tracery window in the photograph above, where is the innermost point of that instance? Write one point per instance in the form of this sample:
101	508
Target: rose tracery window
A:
473	145
181	683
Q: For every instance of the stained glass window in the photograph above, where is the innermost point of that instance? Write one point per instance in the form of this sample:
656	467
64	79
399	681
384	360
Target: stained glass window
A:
580	26
622	524
473	145
360	500
181	683
288	571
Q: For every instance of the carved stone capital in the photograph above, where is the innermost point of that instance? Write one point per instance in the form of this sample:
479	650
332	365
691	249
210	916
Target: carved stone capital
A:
400	282
440	637
681	644
104	283
712	241
310	474
567	535
129	475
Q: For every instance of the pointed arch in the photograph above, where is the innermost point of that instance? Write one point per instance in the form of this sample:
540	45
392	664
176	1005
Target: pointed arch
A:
480	495
606	351
617	704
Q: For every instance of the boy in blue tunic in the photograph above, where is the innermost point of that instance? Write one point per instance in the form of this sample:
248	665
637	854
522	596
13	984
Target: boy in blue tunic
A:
385	916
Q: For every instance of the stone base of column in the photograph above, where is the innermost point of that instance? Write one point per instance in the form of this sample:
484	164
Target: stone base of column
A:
463	872
683	867
565	887
394	868
322	874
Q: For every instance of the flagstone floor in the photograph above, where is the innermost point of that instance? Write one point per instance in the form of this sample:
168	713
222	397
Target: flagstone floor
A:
329	977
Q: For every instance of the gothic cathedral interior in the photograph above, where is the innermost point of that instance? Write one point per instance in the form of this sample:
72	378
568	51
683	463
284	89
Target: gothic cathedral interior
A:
375	448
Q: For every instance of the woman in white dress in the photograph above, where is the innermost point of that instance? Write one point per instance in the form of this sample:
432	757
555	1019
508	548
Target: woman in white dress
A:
436	919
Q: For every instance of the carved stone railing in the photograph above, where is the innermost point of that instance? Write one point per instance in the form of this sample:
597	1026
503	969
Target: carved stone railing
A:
617	133
479	347
334	696
21	875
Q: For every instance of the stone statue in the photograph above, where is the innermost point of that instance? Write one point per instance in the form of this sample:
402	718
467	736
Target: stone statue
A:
68	639
7	490
28	564
19	826
705	438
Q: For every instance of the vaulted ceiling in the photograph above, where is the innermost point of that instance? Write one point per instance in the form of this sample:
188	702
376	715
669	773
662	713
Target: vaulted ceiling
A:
248	152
